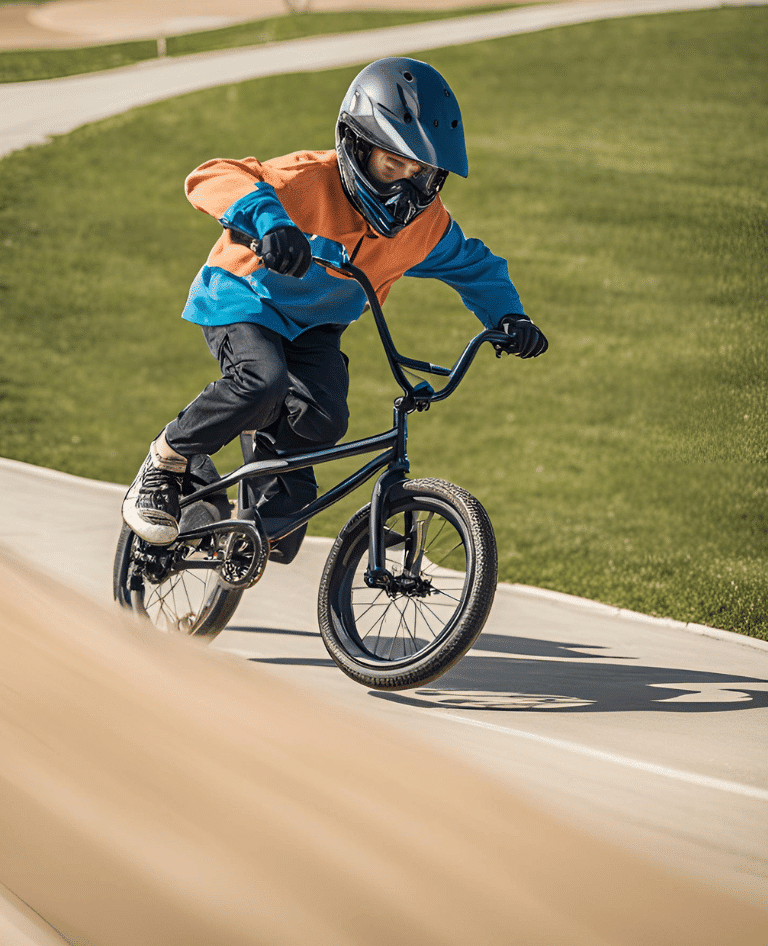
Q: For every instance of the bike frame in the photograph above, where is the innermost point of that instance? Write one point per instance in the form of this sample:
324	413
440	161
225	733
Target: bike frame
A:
392	443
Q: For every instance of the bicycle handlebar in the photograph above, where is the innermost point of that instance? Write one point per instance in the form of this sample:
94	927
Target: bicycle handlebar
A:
332	255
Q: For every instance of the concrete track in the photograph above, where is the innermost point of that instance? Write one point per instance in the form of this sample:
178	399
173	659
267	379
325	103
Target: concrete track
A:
638	729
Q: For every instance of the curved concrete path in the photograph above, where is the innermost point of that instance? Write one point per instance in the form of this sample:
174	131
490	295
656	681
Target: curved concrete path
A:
70	23
30	112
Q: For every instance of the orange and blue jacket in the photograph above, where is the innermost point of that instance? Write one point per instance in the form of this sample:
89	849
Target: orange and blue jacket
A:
304	189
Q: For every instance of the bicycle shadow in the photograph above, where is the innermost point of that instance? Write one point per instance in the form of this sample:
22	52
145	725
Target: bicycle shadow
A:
253	629
556	676
288	633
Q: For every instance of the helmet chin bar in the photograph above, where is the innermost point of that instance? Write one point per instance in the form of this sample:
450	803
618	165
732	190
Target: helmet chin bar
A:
403	201
387	207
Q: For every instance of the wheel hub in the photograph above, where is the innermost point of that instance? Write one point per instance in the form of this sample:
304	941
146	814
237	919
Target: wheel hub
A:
412	586
153	563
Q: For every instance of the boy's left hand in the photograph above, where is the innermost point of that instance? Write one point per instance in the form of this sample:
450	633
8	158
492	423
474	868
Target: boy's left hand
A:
527	340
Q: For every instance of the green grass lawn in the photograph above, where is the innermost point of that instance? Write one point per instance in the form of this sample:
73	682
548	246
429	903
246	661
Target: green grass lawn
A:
30	64
619	166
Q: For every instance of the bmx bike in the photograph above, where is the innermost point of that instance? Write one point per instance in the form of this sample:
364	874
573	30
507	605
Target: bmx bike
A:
408	583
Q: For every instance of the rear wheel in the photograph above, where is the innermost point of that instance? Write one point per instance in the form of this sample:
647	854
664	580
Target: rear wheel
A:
174	587
441	556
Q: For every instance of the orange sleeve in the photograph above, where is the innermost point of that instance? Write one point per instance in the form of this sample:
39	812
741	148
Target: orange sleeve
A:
217	184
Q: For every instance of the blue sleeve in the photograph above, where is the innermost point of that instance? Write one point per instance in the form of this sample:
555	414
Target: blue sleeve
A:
480	278
257	212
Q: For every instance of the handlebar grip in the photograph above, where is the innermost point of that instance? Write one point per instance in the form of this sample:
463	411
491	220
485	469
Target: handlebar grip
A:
503	343
327	253
245	239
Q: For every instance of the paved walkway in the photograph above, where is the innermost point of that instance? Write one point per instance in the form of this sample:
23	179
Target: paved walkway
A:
30	112
91	22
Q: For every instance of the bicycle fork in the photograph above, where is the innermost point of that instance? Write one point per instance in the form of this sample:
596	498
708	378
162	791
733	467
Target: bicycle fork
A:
377	574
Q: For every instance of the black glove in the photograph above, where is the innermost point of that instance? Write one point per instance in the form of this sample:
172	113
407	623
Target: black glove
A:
526	340
286	250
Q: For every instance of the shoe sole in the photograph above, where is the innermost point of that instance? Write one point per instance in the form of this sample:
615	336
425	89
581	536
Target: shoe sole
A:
155	527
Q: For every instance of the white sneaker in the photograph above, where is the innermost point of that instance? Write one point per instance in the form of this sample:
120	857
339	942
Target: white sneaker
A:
151	505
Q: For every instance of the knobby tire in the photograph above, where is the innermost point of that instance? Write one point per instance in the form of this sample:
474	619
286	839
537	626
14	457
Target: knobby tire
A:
440	538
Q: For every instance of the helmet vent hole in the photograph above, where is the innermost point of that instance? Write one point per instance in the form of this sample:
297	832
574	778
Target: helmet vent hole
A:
407	118
454	124
436	123
408	76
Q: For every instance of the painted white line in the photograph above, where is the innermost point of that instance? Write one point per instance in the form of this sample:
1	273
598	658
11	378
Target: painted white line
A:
701	781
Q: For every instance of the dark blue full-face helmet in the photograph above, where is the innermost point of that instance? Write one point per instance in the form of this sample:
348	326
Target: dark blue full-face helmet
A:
407	108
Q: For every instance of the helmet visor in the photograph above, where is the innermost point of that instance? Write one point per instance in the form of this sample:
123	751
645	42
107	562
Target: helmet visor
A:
386	169
428	180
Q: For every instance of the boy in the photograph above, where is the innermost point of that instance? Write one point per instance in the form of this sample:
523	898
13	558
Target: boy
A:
276	330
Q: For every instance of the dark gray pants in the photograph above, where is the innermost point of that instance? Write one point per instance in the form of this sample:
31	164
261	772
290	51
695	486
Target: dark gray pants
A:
293	393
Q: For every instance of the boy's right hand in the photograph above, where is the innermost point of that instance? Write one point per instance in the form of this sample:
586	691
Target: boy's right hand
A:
286	250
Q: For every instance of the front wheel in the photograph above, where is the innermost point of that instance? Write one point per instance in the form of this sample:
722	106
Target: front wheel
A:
441	554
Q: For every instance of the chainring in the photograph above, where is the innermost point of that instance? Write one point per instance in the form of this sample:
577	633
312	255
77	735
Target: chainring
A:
242	556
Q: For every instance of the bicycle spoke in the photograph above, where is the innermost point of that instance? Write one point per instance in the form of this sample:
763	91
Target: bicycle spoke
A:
410	635
372	604
426	608
413	633
380	624
394	636
180	602
444	594
438	563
